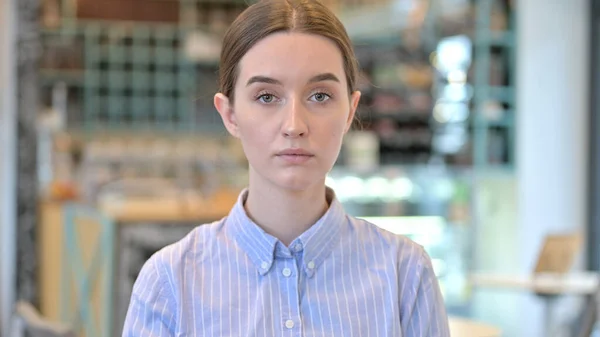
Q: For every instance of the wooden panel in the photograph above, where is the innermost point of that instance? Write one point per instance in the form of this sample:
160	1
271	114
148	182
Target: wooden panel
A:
186	208
51	245
50	250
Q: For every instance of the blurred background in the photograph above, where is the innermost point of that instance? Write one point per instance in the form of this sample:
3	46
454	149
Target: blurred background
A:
478	139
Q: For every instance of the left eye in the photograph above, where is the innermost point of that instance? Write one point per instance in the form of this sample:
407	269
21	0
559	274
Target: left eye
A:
320	97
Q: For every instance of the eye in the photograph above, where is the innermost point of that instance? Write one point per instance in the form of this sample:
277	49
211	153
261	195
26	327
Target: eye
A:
320	97
266	98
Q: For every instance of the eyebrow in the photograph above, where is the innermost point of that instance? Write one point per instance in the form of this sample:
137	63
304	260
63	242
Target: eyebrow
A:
314	79
324	77
262	79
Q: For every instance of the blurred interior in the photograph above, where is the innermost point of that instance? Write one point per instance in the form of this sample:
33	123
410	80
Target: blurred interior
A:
477	138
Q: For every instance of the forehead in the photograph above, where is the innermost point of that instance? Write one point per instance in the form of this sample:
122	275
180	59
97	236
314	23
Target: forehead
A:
292	56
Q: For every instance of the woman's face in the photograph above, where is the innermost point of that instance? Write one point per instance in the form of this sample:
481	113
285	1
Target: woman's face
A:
291	109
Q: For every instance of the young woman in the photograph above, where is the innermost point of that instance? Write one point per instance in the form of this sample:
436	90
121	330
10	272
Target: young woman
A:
287	260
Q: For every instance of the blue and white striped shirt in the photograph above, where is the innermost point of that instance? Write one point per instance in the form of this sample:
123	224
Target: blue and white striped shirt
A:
342	277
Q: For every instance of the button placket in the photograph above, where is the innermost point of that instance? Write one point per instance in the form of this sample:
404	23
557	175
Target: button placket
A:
288	276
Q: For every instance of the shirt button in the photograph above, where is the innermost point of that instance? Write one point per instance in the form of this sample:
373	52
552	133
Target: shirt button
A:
298	247
286	272
264	265
311	265
289	324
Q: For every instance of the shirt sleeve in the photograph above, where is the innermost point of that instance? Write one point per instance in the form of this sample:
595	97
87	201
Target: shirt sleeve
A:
423	309
152	307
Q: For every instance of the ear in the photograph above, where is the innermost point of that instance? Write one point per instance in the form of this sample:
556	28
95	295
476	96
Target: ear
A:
225	109
354	99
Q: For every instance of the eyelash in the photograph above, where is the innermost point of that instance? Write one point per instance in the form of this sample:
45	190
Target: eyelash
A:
316	92
264	93
322	92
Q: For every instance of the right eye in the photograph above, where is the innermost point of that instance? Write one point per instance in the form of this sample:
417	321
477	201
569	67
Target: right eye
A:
266	98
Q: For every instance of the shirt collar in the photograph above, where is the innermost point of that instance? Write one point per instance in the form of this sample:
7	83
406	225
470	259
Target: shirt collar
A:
316	243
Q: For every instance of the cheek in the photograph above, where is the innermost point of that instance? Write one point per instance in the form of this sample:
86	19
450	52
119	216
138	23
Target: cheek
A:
335	136
246	121
338	126
254	136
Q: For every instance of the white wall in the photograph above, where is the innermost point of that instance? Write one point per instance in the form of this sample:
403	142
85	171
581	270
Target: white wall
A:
7	163
552	107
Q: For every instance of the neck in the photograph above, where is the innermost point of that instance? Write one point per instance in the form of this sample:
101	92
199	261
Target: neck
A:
285	214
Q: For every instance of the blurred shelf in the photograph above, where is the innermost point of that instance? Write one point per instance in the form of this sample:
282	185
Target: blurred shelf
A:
499	39
390	39
400	142
506	121
70	77
503	94
401	116
108	45
391	20
493	49
71	26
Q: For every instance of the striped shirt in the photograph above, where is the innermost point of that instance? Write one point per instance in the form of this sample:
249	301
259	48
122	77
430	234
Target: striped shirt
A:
342	277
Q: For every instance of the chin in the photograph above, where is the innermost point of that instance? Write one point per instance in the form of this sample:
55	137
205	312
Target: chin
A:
298	181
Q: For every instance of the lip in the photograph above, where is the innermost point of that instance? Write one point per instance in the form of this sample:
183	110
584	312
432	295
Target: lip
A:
294	155
294	152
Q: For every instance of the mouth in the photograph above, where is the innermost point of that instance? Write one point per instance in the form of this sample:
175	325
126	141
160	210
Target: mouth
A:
295	152
295	156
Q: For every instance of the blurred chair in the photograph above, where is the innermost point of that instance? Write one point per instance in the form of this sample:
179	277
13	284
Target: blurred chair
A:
589	323
87	270
34	325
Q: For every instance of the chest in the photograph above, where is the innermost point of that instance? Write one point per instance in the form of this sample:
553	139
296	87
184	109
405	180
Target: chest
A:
350	297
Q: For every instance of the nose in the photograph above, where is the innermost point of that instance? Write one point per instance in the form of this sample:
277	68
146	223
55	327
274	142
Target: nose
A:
295	124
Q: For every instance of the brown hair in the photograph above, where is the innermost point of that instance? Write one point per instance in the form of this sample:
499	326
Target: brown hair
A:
270	16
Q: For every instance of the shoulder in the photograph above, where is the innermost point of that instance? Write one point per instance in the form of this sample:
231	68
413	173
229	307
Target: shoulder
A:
371	233
167	264
196	241
409	256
